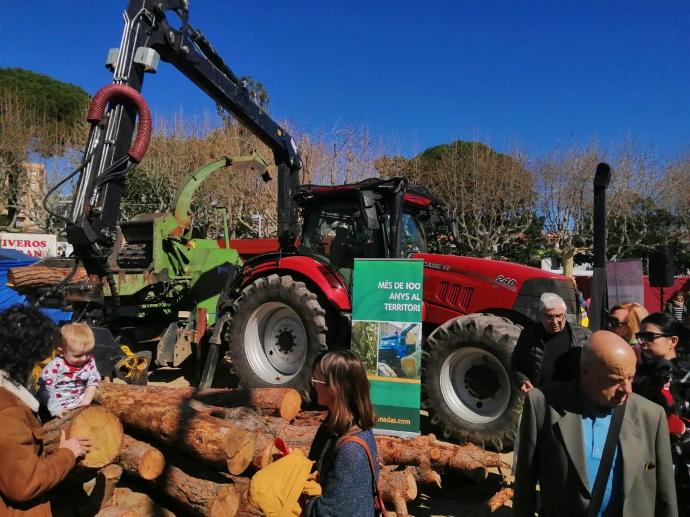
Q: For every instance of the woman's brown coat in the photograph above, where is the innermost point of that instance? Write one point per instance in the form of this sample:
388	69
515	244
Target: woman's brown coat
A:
26	474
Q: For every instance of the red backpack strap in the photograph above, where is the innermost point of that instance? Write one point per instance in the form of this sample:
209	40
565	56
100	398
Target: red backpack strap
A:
378	501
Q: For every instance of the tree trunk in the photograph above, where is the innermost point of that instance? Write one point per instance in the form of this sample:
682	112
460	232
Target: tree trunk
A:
398	487
32	277
101	489
199	496
285	402
141	459
125	500
98	424
175	422
468	459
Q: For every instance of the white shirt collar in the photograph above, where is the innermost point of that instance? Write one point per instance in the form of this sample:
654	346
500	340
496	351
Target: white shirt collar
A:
18	391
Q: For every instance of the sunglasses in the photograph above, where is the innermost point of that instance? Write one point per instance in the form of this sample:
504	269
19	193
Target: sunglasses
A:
317	381
614	323
648	337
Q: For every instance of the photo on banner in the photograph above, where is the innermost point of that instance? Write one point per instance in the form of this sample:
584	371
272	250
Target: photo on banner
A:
387	336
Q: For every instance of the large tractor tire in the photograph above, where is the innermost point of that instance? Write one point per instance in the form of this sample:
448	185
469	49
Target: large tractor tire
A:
468	386
276	329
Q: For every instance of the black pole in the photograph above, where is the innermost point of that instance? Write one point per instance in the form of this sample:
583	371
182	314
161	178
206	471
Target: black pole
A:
602	177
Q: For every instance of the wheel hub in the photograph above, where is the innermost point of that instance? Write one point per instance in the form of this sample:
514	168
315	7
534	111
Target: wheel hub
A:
275	342
475	385
482	381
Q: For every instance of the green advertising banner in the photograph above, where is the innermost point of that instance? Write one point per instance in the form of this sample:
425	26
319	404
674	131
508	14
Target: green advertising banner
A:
387	335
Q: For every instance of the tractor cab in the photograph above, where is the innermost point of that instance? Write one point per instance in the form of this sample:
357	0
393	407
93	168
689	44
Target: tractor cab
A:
374	218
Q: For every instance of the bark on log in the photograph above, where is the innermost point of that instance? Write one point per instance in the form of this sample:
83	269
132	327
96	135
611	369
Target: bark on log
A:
398	487
125	500
117	511
141	459
286	402
175	422
101	489
499	499
199	496
32	277
424	451
98	424
469	459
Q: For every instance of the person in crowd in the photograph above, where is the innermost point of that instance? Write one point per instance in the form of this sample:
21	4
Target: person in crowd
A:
27	474
624	319
677	306
344	471
563	435
71	379
548	350
664	378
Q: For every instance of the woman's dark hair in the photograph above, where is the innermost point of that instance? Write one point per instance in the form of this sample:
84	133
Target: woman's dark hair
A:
671	327
344	372
26	336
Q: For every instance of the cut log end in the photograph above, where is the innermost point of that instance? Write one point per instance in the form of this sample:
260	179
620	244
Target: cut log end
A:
290	405
227	502
242	458
105	432
151	465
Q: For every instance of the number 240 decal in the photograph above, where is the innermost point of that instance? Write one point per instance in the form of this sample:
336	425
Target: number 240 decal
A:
506	281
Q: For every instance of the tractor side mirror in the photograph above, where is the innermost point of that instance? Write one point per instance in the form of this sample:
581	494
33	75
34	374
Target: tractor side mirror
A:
368	204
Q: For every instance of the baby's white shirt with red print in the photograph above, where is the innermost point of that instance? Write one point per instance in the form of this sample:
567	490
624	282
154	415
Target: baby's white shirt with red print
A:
62	385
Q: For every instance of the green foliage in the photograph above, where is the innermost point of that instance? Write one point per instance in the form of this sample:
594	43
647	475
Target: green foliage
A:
365	343
51	100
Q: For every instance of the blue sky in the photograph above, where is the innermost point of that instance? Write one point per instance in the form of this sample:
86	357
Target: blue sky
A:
539	74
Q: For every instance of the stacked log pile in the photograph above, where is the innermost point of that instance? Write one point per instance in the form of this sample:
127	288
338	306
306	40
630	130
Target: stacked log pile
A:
197	449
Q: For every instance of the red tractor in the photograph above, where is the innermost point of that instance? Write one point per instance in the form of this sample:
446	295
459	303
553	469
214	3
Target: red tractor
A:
285	307
282	308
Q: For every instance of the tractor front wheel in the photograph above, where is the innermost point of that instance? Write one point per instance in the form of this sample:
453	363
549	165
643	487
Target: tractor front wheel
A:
276	329
469	390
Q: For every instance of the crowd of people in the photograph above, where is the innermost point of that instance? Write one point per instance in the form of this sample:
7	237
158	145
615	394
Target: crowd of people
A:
605	428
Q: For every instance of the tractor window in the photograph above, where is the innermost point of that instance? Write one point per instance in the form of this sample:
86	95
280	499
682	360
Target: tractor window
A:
336	232
413	239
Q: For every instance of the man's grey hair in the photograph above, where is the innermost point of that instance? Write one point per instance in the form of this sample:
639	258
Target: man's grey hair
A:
549	301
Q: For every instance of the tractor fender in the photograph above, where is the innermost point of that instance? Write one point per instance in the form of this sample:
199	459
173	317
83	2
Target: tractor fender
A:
329	283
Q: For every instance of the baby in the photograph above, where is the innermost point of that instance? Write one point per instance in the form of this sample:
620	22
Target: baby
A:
71	379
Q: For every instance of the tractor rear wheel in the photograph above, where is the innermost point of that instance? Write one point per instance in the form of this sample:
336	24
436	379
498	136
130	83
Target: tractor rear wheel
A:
276	329
470	392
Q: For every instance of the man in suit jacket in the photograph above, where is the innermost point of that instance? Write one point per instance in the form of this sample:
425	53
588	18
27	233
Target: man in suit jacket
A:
562	434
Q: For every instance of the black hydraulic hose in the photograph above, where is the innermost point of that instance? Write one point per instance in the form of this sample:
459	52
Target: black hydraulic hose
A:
81	167
62	283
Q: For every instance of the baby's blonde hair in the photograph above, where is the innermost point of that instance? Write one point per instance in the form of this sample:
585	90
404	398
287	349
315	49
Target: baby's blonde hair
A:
77	335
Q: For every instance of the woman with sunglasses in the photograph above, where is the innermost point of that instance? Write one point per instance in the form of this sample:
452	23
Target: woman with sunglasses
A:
344	472
663	377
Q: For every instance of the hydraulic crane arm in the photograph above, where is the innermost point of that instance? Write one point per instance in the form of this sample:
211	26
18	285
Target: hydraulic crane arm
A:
110	154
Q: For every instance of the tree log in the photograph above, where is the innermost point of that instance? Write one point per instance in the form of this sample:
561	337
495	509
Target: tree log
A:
102	489
142	505
94	422
285	402
424	451
175	422
499	499
32	277
398	487
141	459
469	459
199	496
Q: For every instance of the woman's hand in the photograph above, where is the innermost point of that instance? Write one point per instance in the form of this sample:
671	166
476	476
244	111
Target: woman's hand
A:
78	446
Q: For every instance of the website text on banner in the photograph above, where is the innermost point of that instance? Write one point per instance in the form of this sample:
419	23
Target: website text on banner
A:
387	335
